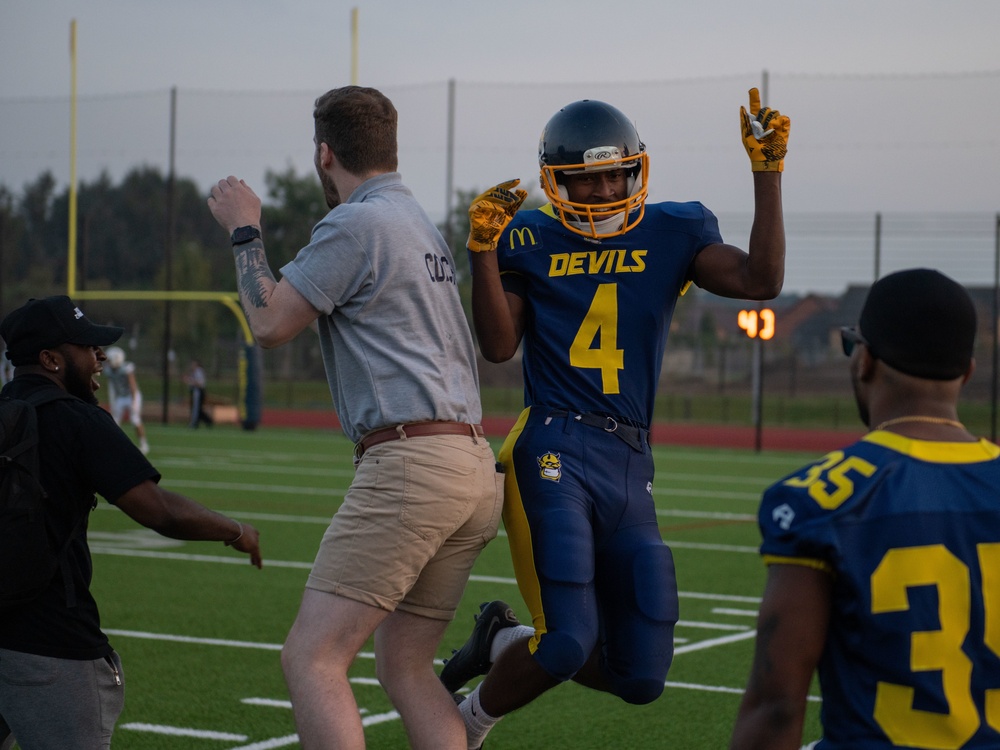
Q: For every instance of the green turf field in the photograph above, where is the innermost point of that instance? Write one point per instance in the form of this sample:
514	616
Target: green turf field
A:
199	629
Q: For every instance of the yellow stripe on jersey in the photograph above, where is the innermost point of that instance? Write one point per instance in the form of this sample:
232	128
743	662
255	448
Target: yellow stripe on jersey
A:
936	452
515	522
805	562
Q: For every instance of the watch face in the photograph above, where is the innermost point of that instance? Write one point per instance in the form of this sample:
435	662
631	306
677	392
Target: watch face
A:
244	234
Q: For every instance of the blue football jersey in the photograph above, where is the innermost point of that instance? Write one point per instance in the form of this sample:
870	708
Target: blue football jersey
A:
599	311
910	532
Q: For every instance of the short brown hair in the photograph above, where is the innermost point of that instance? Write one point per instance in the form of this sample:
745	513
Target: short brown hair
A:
359	126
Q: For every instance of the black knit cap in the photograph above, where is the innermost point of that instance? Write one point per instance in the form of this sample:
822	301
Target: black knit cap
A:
921	323
46	323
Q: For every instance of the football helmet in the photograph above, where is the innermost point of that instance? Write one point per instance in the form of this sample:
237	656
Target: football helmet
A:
591	136
115	355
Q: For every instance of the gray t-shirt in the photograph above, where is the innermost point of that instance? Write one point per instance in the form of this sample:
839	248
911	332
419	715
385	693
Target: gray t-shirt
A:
394	337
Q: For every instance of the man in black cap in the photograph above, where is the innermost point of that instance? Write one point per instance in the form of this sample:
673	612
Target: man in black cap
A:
884	557
61	683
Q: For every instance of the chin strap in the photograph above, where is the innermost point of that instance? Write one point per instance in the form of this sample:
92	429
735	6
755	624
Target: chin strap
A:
613	222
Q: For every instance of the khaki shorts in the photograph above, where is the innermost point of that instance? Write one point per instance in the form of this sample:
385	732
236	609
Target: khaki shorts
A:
416	517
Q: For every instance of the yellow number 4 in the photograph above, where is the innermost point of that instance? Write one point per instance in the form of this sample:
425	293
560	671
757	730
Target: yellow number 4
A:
601	322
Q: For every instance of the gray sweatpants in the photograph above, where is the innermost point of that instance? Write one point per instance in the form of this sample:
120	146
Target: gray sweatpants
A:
59	704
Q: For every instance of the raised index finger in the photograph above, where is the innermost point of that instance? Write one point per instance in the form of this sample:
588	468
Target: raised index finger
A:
507	185
754	102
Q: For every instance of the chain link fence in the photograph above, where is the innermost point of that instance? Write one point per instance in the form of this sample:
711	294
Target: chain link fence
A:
883	173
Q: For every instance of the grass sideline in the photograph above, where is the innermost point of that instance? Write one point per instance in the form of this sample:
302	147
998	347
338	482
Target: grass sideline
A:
199	629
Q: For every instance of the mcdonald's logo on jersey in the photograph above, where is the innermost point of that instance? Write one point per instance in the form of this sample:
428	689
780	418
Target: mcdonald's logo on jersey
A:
522	234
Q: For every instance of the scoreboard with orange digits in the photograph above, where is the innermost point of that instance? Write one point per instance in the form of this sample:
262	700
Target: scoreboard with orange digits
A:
758	324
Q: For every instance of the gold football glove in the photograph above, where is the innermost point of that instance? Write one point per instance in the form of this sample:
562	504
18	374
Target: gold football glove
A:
765	135
490	213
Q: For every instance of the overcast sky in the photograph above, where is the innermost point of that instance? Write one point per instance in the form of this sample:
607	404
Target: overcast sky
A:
137	45
844	155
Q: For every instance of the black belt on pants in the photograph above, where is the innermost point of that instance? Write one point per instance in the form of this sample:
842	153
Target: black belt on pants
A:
633	436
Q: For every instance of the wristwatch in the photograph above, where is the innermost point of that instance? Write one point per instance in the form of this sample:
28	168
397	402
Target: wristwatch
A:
244	234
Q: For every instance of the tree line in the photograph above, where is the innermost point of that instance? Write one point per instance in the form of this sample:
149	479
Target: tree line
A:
123	234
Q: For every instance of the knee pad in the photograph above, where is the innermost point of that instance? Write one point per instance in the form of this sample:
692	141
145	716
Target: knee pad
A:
640	631
565	566
639	691
561	655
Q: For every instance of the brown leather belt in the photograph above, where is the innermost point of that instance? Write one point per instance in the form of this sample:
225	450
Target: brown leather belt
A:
415	429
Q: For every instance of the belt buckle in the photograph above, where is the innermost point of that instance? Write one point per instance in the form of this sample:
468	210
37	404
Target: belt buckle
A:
612	424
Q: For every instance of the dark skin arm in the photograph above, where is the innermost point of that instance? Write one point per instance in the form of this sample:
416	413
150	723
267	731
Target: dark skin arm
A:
499	317
759	274
180	517
791	633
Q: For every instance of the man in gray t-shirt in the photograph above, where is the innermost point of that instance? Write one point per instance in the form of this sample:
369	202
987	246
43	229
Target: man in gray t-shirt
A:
400	361
394	337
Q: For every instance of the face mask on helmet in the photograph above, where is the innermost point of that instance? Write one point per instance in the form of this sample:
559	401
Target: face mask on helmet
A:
591	136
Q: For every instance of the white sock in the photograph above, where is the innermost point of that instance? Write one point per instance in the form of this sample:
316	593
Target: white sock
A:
478	723
507	636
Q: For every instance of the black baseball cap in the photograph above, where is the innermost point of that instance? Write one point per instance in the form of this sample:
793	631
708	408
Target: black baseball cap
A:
920	322
46	323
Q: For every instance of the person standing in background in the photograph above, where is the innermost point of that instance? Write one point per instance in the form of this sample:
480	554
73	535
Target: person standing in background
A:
124	396
196	382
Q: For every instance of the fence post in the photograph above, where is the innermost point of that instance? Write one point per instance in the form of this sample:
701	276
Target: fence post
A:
996	330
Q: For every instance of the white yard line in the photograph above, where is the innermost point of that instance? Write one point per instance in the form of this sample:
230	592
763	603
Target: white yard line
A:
374	719
201	734
682	646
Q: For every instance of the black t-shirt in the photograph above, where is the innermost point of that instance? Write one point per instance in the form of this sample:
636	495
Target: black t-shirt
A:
81	452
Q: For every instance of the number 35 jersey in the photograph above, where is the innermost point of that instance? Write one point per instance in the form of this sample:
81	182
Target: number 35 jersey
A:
910	532
599	312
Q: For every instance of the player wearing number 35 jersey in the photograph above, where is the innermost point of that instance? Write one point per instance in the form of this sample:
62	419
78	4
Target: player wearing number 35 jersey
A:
587	286
884	557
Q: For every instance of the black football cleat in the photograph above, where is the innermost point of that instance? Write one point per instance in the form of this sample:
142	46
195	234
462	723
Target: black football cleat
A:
473	659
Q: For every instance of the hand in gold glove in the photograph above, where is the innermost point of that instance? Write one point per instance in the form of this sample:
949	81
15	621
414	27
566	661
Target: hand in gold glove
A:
490	213
765	135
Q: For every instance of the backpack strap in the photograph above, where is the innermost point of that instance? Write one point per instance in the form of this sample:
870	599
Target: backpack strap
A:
40	398
36	399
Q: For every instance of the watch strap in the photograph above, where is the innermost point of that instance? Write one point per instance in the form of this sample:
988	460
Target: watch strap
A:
245	234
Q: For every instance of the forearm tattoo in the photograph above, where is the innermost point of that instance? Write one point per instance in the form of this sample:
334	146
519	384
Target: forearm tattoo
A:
251	272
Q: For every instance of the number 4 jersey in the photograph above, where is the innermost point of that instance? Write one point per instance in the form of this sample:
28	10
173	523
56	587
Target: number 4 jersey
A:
910	532
600	311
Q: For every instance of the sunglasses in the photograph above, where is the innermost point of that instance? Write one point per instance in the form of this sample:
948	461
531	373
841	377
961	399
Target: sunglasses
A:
849	338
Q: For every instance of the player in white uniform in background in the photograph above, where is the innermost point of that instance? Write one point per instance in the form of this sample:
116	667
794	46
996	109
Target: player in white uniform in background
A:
123	392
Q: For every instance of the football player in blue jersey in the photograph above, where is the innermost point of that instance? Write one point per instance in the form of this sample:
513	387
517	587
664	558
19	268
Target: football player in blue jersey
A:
588	284
884	557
